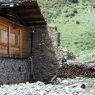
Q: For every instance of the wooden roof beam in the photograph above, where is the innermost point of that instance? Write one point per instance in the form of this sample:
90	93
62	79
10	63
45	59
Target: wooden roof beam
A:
25	7
33	16
29	11
35	19
36	24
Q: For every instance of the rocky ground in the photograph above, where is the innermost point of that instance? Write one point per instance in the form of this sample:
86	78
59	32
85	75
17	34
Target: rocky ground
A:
76	86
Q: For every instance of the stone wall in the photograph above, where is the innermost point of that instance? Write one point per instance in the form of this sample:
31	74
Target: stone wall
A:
13	70
42	66
45	44
77	70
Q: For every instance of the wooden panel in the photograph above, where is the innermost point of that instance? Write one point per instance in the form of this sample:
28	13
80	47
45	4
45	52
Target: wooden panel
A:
6	22
3	49
3	27
25	44
3	39
15	52
15	41
20	37
9	45
13	37
4	36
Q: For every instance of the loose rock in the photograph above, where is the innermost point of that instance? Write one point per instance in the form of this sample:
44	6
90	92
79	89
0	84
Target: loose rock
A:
77	86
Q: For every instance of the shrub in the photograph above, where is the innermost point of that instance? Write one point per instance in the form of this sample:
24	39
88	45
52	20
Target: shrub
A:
93	6
85	57
77	22
72	14
73	1
67	15
65	10
75	10
75	42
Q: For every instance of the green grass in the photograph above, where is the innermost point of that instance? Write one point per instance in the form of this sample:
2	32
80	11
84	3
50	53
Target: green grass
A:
77	37
77	29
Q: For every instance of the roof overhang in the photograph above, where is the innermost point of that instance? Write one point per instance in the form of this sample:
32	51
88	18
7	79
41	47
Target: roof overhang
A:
28	13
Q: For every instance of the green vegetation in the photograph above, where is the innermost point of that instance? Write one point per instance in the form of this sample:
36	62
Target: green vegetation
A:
74	20
85	57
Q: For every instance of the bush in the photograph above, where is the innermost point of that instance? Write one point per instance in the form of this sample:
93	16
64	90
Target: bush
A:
85	57
65	10
77	22
67	15
73	1
75	10
72	14
93	6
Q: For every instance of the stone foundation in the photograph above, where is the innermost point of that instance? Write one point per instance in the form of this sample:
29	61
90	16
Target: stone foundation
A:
13	70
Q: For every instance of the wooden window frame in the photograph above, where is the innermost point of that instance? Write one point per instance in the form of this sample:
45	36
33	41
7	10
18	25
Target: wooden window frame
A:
17	35
9	26
3	30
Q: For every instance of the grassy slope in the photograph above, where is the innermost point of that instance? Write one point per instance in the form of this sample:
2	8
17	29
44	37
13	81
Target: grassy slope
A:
75	37
78	37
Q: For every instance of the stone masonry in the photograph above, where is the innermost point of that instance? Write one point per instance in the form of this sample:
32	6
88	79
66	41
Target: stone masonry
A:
13	70
45	42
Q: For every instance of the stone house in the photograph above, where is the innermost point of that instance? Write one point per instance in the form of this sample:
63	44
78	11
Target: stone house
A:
23	34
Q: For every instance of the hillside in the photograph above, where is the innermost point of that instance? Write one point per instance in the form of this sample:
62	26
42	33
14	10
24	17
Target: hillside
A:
75	22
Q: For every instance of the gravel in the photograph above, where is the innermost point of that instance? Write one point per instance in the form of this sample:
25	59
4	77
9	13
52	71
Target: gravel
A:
76	86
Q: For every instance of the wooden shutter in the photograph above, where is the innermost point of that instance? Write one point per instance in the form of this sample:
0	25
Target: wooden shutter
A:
14	36
13	39
4	37
3	34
